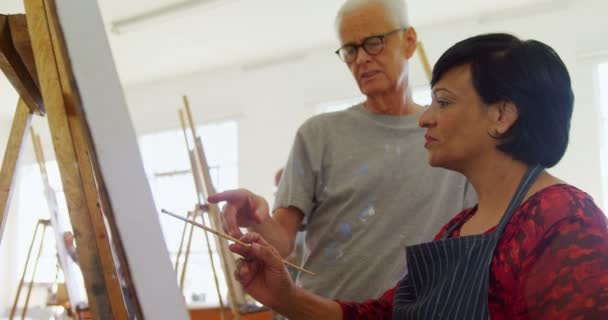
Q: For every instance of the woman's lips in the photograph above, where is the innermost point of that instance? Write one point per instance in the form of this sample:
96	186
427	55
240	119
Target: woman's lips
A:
428	140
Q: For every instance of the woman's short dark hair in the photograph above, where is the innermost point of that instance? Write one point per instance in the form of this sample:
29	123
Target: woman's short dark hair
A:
529	74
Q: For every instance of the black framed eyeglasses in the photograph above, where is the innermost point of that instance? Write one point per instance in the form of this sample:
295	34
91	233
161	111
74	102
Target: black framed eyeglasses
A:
373	45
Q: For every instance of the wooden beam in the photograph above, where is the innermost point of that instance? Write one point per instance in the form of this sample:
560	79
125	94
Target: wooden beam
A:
15	70
102	216
235	290
23	46
198	210
425	61
30	286
24	273
99	100
97	211
12	154
74	289
182	277
53	95
95	192
100	210
180	248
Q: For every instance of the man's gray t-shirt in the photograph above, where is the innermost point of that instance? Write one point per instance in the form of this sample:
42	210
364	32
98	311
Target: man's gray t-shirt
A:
367	191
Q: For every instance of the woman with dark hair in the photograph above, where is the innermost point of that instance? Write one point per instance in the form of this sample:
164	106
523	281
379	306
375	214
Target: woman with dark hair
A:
534	247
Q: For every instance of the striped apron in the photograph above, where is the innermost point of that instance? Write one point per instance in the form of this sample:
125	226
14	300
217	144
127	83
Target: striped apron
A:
449	278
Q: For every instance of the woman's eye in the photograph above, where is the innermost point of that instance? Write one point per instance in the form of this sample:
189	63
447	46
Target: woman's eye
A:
441	103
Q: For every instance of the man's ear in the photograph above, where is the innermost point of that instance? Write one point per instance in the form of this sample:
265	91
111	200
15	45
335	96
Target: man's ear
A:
503	115
410	40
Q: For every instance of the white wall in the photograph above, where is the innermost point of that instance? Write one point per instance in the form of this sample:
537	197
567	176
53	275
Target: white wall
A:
271	102
269	105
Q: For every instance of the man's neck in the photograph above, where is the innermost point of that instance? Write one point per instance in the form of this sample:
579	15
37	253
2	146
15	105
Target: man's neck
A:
394	103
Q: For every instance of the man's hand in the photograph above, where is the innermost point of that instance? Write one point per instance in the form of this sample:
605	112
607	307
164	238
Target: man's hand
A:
243	209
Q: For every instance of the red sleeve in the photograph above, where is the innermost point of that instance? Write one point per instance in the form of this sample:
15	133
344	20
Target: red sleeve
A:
566	275
381	308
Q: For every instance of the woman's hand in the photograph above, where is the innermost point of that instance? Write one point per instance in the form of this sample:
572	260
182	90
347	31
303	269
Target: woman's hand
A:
262	273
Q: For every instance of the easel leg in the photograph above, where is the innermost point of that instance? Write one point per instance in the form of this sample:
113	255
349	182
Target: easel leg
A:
181	246
18	134
31	284
182	277
428	70
22	280
103	287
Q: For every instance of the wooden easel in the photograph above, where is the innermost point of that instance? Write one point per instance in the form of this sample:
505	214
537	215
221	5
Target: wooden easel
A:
41	224
204	187
197	212
428	70
49	34
96	264
73	286
93	248
79	312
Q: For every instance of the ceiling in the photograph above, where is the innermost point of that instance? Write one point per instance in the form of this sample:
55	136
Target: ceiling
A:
228	32
217	33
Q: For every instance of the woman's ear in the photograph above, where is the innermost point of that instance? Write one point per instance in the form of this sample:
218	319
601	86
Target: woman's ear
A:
504	115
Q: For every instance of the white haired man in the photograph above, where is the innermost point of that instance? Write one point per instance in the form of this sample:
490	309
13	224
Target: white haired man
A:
358	179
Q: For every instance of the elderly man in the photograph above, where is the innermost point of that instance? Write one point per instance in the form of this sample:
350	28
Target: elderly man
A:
358	179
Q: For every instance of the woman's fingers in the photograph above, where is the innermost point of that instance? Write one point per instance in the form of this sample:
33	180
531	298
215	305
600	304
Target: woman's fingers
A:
240	250
268	254
243	272
259	249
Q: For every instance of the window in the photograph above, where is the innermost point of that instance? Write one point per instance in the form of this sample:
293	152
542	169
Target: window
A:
168	169
603	86
421	95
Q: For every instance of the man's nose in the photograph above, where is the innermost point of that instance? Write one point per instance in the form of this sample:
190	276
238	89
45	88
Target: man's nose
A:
362	55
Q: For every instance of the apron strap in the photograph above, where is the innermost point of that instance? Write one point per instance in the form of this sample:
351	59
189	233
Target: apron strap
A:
520	193
458	224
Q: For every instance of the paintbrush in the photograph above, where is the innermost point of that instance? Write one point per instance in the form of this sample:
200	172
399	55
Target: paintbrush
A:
228	237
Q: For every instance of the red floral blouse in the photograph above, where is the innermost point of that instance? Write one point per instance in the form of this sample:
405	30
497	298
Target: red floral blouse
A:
551	262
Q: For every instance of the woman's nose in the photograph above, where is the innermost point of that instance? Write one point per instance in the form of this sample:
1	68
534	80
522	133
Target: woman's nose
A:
426	119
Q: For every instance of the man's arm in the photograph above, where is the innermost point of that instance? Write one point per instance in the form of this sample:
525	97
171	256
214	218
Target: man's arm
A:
281	229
